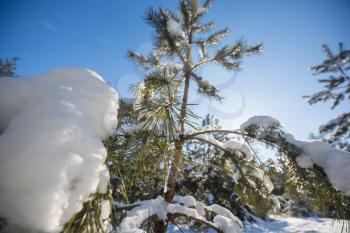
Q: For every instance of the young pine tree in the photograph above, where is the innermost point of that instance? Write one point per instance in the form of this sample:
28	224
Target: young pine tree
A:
172	65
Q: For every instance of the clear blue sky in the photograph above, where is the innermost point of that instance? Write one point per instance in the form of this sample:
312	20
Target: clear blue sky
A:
97	34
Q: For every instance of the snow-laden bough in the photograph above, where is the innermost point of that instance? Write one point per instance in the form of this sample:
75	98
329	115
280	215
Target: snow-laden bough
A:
186	206
52	156
334	162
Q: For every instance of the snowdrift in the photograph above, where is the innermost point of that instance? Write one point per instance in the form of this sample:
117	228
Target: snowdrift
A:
51	151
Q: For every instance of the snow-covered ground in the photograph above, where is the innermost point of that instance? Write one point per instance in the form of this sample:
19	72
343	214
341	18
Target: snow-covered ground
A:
292	224
283	225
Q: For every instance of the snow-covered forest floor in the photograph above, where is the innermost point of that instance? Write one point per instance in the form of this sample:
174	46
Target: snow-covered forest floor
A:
283	224
292	224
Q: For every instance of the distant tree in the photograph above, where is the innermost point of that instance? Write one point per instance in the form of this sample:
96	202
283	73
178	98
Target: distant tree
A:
336	89
8	67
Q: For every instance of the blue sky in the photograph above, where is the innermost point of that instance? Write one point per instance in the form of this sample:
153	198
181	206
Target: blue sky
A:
97	34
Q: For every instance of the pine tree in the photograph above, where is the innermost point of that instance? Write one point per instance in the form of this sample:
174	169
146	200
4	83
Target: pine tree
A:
8	67
172	65
336	90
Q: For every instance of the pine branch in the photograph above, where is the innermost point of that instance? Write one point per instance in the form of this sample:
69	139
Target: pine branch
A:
205	88
216	37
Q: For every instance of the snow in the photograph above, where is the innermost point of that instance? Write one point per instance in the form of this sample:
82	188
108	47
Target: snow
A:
226	225
224	219
334	162
280	225
139	94
174	208
188	201
258	173
52	155
264	122
304	161
155	207
235	145
104	216
222	211
336	121
200	208
147	209
210	198
292	225
174	27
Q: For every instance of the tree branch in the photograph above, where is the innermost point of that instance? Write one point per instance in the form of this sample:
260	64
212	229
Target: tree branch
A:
202	221
191	136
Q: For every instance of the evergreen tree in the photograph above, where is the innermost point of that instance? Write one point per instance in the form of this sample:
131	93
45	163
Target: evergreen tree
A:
336	90
172	65
8	67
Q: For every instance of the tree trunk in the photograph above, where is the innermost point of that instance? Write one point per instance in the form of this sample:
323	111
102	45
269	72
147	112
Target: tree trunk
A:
161	226
176	163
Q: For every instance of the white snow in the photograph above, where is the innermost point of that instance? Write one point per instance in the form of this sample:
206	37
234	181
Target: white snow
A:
335	163
292	225
188	201
52	156
210	198
264	122
139	93
235	145
174	208
147	209
104	216
222	211
226	225
174	27
260	174
280	225
224	219
200	208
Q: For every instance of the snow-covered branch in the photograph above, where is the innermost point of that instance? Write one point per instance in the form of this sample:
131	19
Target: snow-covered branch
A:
334	163
226	131
187	206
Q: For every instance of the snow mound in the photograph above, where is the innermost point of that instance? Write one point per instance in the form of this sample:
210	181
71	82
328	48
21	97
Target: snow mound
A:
147	209
261	121
187	201
235	145
52	155
174	28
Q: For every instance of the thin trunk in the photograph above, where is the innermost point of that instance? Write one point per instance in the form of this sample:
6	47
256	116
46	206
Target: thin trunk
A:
178	146
161	226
